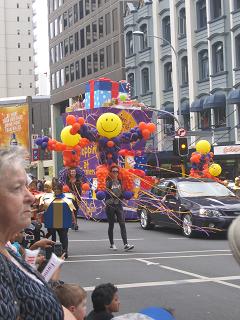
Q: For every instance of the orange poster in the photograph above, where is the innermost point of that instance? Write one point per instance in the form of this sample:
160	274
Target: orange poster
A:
14	126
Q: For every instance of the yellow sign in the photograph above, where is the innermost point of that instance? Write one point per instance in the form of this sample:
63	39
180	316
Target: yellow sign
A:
14	126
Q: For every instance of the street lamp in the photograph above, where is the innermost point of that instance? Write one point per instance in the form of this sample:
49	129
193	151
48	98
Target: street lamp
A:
141	34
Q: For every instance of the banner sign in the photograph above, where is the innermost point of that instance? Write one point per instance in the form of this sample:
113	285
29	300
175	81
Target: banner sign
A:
14	125
226	150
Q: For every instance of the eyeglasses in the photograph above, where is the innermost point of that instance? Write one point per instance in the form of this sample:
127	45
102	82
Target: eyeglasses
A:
114	171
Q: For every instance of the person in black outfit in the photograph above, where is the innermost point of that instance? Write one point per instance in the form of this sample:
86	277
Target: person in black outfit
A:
114	208
105	301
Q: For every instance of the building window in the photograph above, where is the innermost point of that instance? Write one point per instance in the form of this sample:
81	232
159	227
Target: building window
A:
201	14
237	4
94	5
19	45
75	13
129	43
87	7
52	56
216	8
62	77
100	27
82	38
107	23
130	80
60	23
109	55
71	44
184	71
29	32
95	62
72	72
65	20
168	125
29	45
237	50
19	72
57	53
100	2
66	74
18	32
203	65
29	58
19	58
186	121
217	57
29	19
76	41
145	80
61	51
18	5
19	85
28	6
94	31
70	17
66	41
83	67
77	70
81	10
89	64
168	75
102	59
115	20
166	28
182	22
219	117
55	27
57	79
204	119
18	19
115	52
30	85
144	38
88	35
53	84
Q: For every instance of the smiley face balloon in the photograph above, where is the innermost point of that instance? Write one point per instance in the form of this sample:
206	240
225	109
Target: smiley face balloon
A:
109	125
215	169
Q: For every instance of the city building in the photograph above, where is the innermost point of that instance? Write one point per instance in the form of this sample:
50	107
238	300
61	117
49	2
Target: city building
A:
185	60
16	54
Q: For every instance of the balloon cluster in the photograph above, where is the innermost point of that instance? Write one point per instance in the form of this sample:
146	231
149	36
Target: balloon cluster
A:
202	162
146	182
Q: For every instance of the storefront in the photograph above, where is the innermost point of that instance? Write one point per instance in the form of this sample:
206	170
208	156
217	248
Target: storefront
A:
229	159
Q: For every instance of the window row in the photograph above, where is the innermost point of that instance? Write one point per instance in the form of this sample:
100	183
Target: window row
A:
54	5
28	6
145	82
204	118
19	45
105	57
20	58
216	11
19	32
20	85
28	19
69	17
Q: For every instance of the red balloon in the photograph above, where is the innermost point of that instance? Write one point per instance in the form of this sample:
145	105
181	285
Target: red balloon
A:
146	134
75	128
85	187
110	144
70	119
142	125
81	121
66	188
151	127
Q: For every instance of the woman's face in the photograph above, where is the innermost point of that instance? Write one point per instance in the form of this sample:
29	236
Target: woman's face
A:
72	173
15	199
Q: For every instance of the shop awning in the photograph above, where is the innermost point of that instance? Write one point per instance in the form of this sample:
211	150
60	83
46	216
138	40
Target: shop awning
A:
217	100
163	115
197	105
185	108
233	96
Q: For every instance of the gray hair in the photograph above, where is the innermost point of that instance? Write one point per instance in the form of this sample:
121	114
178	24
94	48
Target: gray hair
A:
12	156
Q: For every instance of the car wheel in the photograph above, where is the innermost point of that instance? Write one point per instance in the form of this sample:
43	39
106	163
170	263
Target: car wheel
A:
145	220
187	227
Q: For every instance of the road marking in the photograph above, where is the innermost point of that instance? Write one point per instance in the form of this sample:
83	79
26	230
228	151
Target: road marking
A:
148	263
102	240
130	253
175	282
178	239
150	258
219	281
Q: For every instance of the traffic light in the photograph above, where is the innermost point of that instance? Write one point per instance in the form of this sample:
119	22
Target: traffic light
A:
180	146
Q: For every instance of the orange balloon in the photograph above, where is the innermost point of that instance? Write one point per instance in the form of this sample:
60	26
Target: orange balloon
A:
70	119
85	187
146	134
81	121
151	127
110	144
142	125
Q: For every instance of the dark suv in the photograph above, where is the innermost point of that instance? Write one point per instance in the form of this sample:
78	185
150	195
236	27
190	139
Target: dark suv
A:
193	205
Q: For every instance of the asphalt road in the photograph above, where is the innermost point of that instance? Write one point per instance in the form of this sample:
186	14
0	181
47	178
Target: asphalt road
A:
198	278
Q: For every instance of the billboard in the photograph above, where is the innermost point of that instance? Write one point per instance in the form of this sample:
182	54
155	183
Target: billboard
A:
14	125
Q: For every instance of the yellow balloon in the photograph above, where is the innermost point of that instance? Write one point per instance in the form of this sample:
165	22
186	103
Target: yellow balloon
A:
215	169
203	146
109	125
69	139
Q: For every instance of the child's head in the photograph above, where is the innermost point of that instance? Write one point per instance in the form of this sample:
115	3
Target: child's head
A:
105	298
74	298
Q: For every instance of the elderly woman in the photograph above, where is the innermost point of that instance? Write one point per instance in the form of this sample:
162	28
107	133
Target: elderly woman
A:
23	292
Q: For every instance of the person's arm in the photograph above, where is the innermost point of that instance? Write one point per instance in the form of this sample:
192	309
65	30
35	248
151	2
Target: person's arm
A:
43	243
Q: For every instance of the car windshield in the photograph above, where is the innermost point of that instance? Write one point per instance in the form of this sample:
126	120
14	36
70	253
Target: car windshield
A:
202	189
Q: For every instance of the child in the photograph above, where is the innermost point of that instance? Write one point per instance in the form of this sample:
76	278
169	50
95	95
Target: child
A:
74	298
105	300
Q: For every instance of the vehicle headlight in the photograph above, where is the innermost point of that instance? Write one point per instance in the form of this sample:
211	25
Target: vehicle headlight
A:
209	213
